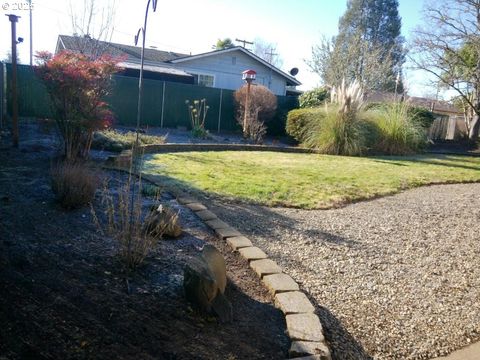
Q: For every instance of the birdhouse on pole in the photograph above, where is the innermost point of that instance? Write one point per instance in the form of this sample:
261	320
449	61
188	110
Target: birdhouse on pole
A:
249	75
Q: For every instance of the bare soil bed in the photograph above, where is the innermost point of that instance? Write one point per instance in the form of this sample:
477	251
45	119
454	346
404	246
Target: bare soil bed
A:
63	291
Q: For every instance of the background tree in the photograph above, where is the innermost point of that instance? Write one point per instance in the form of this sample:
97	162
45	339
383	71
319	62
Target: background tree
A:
267	51
448	48
368	47
92	25
224	44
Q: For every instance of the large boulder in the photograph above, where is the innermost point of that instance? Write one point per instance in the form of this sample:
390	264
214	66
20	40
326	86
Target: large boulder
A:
205	279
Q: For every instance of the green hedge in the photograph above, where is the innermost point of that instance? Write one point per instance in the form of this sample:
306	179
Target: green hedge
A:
300	120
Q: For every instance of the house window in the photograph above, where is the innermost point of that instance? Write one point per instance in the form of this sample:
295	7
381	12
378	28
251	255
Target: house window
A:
234	60
204	80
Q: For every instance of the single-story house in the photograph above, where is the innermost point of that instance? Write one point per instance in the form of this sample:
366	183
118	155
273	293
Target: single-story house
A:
218	68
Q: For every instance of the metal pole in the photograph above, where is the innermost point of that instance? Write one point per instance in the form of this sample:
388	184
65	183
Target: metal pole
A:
247	108
14	19
220	109
31	33
163	104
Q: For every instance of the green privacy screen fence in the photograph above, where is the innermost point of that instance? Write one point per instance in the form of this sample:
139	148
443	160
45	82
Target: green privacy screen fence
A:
163	102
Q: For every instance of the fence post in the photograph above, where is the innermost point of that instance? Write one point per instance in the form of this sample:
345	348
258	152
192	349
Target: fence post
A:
220	110
163	105
2	79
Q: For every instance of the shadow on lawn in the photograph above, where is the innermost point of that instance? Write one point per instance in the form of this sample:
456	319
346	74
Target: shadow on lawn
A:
438	159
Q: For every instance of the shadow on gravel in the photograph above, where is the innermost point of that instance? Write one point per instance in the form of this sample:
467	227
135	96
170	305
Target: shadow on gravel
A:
343	345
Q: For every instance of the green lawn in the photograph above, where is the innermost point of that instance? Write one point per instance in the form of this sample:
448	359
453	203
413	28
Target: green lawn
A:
306	180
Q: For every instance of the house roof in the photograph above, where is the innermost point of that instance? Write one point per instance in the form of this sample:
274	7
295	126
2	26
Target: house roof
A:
155	68
133	53
436	106
77	43
290	79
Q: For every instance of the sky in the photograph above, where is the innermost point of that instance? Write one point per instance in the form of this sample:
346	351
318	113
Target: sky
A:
193	26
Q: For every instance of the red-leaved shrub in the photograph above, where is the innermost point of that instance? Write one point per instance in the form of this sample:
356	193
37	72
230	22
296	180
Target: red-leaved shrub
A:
77	86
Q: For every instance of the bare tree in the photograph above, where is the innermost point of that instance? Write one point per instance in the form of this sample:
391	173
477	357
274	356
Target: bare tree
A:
92	25
448	48
267	51
358	61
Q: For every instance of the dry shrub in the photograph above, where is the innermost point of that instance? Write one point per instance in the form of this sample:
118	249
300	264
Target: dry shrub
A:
125	222
74	184
262	107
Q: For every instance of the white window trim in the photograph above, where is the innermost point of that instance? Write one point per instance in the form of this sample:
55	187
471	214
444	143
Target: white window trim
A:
206	74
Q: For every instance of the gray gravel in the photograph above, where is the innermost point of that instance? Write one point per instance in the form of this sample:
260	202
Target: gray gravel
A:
393	278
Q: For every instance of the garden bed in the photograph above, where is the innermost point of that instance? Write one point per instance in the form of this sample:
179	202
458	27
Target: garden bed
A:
64	293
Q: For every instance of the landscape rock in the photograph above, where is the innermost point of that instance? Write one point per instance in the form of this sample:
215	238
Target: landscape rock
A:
205	280
265	267
206	215
252	253
306	348
227	233
277	283
163	221
196	206
304	327
293	302
238	242
217	224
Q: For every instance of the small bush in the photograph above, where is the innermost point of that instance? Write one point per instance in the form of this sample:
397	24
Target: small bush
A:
314	98
74	184
399	133
116	141
300	120
262	107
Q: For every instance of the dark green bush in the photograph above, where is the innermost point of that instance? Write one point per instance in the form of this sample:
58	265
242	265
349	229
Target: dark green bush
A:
313	98
421	116
300	120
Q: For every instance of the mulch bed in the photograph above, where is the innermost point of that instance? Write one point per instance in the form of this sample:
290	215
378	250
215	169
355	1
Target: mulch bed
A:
63	292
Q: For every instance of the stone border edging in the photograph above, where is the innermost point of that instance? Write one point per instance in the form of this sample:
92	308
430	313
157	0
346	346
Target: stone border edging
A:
125	156
303	325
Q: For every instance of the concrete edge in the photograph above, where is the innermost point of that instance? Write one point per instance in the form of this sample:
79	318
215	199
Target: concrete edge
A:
301	348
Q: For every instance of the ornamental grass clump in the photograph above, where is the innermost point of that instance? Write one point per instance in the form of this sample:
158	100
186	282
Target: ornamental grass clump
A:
399	132
125	222
341	128
74	184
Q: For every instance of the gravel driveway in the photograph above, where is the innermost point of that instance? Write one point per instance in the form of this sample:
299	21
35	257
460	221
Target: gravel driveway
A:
393	278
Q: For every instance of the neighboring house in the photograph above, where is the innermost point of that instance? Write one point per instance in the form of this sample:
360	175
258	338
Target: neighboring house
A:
219	68
449	123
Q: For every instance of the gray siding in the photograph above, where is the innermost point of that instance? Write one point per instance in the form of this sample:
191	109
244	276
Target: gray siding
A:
227	69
